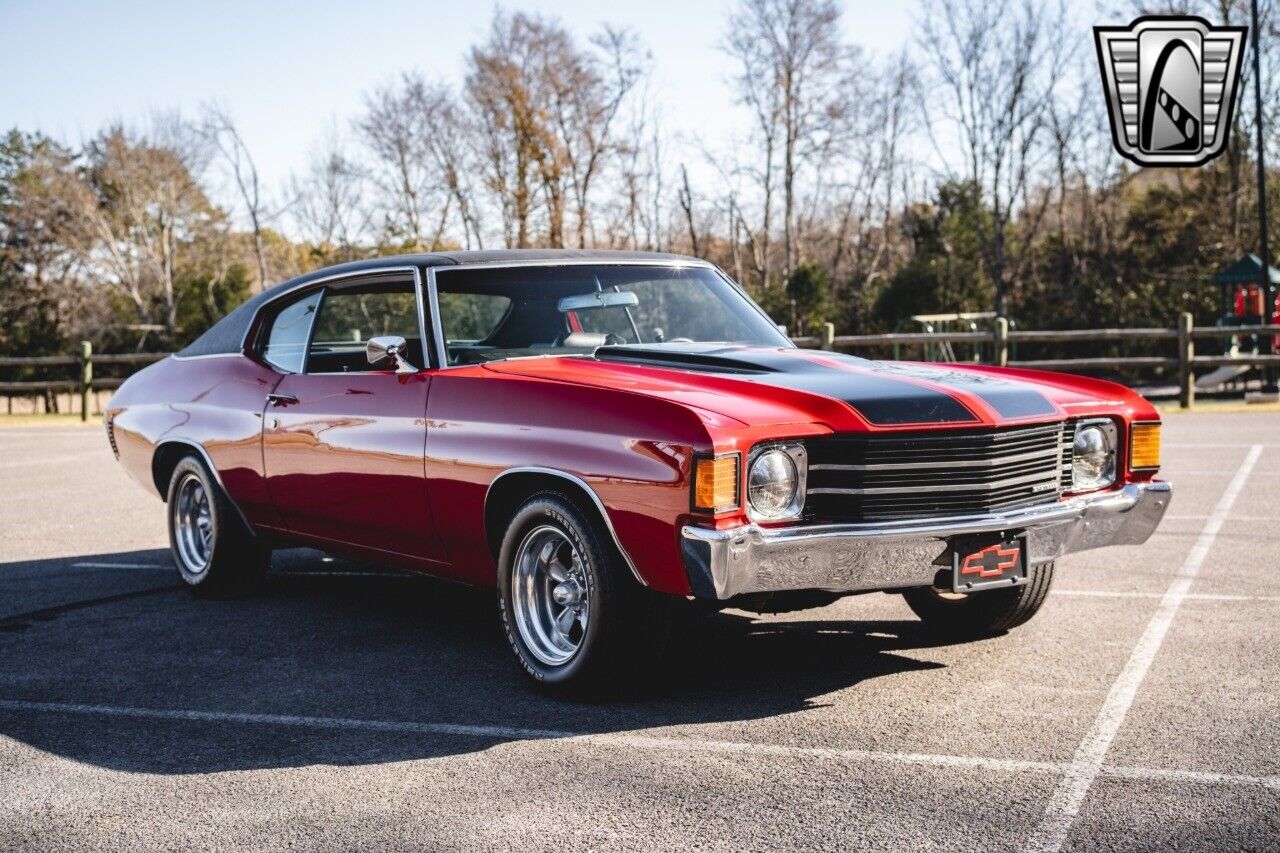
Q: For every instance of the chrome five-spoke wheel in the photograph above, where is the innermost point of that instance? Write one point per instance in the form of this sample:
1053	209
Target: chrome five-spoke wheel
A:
550	595
193	524
215	550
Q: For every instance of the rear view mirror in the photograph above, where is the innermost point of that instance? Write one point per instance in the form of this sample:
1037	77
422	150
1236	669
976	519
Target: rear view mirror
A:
599	299
388	346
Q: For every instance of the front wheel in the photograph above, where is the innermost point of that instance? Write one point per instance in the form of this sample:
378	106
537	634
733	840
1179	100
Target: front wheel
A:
215	552
571	611
965	616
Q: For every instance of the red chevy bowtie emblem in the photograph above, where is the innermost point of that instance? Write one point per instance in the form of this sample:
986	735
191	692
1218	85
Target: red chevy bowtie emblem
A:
990	562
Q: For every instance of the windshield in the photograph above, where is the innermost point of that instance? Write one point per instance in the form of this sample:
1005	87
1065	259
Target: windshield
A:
489	313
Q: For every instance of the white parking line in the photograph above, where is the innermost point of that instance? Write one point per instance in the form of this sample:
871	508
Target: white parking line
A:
1193	596
1067	798
636	741
1248	518
151	567
144	567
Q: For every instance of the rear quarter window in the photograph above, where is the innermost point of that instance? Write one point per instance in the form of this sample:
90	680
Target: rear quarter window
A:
286	340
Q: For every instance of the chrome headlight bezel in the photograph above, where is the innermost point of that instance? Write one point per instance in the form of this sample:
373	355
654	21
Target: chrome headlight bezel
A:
795	463
1092	438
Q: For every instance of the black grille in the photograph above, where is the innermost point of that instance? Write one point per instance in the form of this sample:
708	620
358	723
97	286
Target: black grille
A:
933	474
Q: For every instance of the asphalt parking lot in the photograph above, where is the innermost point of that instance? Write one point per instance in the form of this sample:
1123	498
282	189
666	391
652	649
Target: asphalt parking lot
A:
348	706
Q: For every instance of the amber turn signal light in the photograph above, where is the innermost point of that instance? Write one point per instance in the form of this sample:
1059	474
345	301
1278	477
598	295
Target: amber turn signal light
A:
715	482
1144	447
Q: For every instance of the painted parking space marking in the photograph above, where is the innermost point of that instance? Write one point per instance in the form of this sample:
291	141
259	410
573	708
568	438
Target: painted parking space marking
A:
1234	517
1191	596
633	741
1068	797
323	573
132	566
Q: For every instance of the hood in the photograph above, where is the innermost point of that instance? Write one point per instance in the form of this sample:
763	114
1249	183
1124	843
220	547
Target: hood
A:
758	385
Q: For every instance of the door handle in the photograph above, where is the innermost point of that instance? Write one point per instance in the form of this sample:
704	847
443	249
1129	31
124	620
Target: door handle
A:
281	399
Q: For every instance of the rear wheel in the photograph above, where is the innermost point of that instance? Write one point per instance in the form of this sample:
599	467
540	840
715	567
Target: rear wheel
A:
571	610
979	614
214	550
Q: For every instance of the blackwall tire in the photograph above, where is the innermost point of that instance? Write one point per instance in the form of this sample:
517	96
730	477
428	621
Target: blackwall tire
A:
980	614
215	553
557	567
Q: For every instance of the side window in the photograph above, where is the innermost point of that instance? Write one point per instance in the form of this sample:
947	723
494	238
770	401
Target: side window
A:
350	316
286	345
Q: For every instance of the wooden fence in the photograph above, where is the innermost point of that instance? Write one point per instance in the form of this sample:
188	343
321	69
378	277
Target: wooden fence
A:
1000	340
81	377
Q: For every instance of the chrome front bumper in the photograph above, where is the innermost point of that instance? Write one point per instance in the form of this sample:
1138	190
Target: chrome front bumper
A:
722	564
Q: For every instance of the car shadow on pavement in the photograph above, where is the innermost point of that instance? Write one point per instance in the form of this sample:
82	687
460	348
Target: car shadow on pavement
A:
332	639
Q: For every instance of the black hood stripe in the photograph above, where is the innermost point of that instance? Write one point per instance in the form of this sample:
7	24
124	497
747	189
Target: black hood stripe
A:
880	399
1008	399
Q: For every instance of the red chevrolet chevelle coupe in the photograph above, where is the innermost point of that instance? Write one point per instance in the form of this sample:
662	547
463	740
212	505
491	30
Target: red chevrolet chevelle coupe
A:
599	435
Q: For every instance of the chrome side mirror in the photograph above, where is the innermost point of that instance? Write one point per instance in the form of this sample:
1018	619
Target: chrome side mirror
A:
389	346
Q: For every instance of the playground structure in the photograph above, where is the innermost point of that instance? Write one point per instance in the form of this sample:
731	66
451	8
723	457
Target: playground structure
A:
967	323
1243	304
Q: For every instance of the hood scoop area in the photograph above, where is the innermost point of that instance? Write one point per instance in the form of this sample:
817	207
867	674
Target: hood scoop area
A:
712	358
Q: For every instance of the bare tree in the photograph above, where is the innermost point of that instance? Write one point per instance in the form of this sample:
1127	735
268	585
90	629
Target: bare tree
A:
140	207
795	76
450	145
996	66
862	232
685	197
397	127
329	204
587	91
226	139
505	88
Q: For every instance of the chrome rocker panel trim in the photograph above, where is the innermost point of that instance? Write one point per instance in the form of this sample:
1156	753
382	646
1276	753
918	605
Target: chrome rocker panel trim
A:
722	564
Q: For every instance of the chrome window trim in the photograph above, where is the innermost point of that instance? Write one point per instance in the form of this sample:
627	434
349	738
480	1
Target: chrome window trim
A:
323	281
311	331
427	283
437	325
595	498
579	262
206	355
324	284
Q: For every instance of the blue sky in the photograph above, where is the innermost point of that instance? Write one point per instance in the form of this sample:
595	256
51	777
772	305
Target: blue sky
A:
292	72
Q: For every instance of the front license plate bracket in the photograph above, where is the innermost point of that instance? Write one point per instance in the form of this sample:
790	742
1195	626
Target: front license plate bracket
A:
988	562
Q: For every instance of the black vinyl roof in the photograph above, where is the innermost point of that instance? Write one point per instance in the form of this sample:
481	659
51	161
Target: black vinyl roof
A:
227	335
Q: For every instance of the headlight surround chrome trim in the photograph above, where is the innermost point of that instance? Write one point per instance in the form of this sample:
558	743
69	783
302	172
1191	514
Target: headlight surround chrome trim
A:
1108	471
799	459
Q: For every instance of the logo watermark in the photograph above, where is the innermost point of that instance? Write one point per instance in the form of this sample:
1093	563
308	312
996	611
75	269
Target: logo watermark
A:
1171	85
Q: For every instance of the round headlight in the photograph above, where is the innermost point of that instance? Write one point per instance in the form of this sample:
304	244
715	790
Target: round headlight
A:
771	484
1093	459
